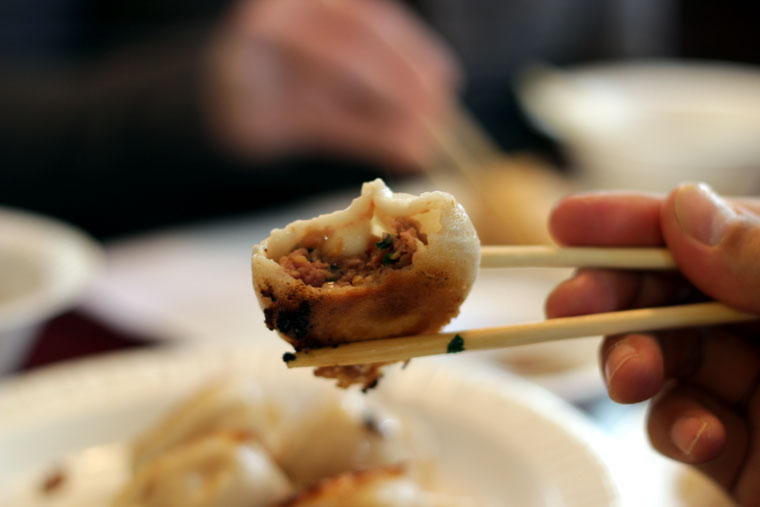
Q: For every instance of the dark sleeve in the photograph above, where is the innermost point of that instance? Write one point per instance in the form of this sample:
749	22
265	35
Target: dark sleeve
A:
129	114
120	144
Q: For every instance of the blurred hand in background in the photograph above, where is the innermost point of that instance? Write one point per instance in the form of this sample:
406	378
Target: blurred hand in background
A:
704	383
359	78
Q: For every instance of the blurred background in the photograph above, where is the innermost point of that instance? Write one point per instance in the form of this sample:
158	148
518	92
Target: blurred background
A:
116	116
145	146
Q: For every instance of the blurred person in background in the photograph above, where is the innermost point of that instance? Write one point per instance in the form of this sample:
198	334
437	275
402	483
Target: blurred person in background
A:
123	115
120	116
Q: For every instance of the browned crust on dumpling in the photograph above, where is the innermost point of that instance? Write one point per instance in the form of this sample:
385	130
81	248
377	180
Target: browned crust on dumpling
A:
309	318
342	485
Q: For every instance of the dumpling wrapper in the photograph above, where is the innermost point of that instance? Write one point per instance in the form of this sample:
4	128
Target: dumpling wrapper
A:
220	406
419	298
338	434
223	469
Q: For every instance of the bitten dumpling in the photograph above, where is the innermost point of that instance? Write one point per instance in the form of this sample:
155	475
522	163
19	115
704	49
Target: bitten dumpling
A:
391	264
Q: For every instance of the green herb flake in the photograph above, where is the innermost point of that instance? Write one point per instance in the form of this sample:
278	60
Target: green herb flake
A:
385	243
390	258
288	357
455	345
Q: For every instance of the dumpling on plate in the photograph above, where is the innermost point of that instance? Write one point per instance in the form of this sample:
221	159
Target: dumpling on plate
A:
223	469
222	405
339	434
391	264
379	487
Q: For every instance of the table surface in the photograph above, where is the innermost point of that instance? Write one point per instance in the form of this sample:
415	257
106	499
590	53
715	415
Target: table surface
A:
193	283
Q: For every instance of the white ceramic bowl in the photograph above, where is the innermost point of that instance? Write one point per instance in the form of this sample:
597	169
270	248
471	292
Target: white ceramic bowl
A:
45	267
649	125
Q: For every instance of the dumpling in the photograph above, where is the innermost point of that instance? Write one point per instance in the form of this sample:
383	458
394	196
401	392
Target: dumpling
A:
219	406
339	434
391	264
223	469
380	487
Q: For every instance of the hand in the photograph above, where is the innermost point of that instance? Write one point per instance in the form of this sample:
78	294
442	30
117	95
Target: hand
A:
704	382
357	77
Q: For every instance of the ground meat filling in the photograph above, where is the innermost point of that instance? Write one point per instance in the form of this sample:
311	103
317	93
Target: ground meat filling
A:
393	251
367	375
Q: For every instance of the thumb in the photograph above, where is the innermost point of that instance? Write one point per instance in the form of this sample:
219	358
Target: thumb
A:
715	244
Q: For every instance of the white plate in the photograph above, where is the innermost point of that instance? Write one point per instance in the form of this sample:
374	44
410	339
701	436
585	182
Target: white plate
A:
499	439
45	266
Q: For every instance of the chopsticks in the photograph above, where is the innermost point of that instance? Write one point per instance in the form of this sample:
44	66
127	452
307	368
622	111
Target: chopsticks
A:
644	319
465	145
508	196
549	256
403	348
470	150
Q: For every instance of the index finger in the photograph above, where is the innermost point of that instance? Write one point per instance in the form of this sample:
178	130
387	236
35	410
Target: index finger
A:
608	219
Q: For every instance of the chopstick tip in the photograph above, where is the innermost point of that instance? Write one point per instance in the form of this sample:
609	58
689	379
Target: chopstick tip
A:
299	359
288	358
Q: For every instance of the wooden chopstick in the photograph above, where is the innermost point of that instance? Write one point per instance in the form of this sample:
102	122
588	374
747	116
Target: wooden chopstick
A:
550	256
458	154
470	150
472	135
403	348
466	150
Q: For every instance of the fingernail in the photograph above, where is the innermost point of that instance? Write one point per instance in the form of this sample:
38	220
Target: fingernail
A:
702	214
619	355
686	432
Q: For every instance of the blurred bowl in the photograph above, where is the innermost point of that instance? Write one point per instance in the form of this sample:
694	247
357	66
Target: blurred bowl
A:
45	267
650	125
